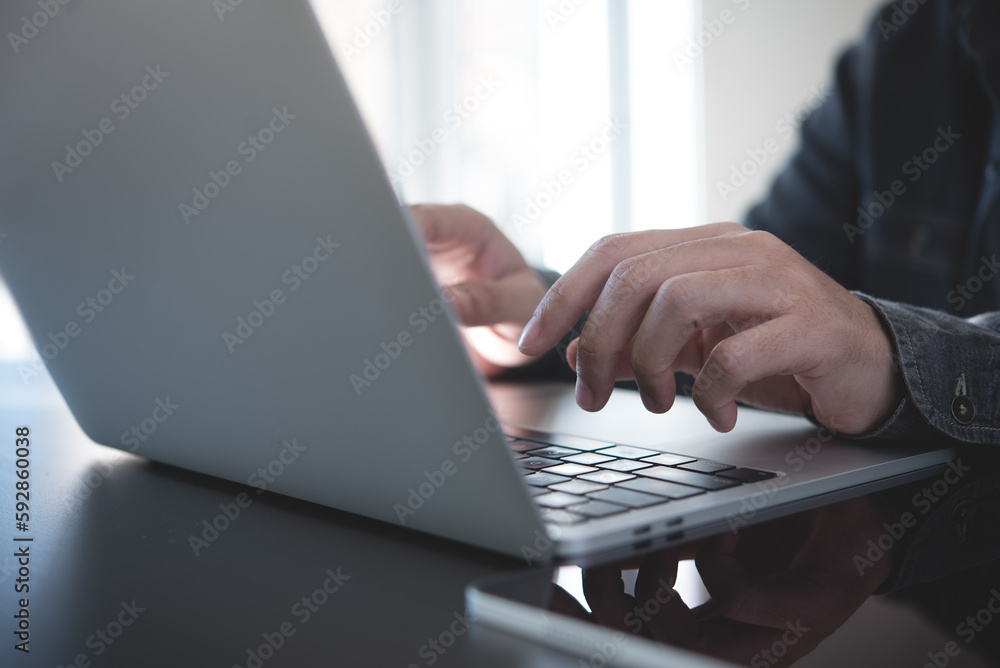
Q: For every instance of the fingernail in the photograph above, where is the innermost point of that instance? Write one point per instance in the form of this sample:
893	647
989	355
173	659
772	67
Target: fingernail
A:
461	302
584	397
648	402
530	334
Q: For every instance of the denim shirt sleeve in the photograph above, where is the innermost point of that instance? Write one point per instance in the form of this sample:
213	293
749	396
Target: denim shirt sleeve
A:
950	368
950	520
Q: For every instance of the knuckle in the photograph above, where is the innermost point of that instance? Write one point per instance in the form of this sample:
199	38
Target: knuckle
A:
610	245
734	606
731	357
647	364
629	275
677	295
587	348
555	297
766	242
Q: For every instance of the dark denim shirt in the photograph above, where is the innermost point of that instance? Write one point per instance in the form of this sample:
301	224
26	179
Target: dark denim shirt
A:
894	193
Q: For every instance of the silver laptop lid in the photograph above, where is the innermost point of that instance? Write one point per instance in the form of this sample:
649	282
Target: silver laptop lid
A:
213	265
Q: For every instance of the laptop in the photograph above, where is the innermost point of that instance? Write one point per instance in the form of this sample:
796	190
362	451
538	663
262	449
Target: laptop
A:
218	276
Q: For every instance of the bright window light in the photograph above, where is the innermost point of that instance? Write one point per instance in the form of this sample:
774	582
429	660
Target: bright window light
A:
563	121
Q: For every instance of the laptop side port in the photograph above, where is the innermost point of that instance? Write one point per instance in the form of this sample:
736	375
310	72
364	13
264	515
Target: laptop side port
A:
676	536
642	530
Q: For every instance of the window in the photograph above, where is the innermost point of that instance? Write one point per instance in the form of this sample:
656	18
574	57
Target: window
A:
563	120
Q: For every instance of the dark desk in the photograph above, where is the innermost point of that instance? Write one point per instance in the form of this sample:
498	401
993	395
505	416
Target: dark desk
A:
114	577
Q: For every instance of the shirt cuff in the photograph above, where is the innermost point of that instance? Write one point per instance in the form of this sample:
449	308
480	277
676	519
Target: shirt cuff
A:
946	363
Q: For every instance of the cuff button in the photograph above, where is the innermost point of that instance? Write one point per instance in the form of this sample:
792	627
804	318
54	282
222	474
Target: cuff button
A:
963	410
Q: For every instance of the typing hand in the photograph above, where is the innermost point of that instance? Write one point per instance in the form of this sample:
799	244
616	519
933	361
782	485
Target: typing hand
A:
494	290
778	589
748	316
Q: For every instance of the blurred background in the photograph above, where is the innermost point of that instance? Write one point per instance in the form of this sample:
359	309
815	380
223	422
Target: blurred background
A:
565	120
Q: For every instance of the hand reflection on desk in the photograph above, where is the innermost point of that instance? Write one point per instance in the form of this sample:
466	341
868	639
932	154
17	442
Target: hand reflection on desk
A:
777	589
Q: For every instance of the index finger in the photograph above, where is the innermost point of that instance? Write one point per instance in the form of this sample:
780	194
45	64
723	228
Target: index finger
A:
578	289
446	224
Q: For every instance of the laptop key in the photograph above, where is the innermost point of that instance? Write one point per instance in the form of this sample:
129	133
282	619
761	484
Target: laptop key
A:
518	445
535	491
577	487
588	458
748	475
626	497
623	465
627	452
690	478
570	469
705	466
667	459
598	509
537	462
553	451
540	479
576	442
558	499
606	477
670	490
559	516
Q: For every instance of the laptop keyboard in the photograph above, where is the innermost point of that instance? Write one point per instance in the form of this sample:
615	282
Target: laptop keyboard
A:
579	479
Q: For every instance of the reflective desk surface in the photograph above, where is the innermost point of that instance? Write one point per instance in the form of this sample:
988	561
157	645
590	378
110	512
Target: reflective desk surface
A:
125	568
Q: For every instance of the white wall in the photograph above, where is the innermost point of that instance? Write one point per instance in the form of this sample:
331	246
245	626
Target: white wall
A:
767	62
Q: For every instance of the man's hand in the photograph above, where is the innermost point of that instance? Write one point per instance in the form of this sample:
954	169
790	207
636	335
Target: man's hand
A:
778	589
494	291
748	316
